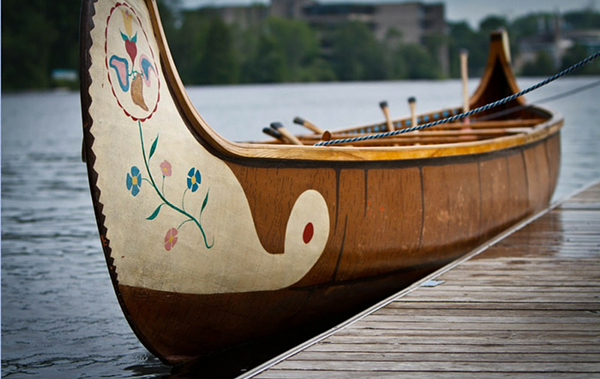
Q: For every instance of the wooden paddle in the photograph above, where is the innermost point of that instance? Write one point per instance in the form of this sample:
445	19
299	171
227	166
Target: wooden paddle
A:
325	134
412	104
464	74
285	133
275	134
384	107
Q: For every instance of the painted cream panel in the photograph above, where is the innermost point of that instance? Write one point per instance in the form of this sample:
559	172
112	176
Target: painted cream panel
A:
202	238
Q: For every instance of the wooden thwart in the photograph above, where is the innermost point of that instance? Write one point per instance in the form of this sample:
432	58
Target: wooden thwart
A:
526	312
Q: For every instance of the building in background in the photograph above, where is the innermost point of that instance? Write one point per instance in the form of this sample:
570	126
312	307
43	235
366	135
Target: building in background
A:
392	23
554	37
243	16
413	20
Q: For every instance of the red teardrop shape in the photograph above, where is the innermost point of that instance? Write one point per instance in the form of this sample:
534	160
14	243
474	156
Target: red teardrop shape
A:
309	232
131	48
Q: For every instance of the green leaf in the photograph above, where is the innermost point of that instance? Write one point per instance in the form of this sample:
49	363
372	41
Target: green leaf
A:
155	213
153	148
204	202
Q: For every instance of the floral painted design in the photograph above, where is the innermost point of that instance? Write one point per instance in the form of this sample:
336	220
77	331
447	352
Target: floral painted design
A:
132	71
166	169
133	75
194	179
170	239
134	181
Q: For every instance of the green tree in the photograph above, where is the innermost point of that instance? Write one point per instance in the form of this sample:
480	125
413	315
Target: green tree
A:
318	70
170	15
37	37
462	36
218	64
398	66
420	63
268	65
528	25
491	23
578	53
579	20
298	43
543	65
188	42
435	43
356	55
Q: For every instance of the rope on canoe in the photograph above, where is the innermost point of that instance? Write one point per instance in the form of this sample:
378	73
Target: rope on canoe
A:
559	96
466	114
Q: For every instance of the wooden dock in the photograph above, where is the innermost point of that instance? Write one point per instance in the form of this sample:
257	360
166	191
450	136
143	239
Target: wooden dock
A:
525	306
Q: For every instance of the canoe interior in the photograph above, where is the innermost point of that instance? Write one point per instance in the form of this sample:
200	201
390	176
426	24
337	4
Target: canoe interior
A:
218	249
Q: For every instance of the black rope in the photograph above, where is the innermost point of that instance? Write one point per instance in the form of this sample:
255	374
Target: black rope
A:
541	101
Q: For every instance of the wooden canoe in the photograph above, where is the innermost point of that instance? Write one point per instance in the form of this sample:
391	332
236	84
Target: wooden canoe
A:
230	252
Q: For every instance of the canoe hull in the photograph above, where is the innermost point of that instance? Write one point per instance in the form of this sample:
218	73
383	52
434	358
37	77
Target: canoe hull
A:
406	220
215	248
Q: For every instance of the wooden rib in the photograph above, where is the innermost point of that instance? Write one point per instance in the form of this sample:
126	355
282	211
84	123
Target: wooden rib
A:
429	137
505	124
439	133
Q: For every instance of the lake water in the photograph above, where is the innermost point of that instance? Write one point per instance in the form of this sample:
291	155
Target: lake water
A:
60	317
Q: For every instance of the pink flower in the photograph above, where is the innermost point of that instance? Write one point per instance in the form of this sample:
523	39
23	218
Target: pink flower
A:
170	239
165	168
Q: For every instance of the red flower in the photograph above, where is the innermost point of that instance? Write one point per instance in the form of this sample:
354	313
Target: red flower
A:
165	168
170	239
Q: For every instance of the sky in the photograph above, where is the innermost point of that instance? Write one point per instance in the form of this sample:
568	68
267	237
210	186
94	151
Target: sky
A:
472	11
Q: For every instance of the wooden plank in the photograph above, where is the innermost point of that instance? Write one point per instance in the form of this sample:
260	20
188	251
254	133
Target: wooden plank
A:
483	313
442	366
558	276
419	321
325	374
427	349
488	325
541	306
537	262
593	288
524	281
378	356
505	297
444	337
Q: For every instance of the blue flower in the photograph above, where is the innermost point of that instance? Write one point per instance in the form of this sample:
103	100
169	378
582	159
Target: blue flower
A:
194	179
134	181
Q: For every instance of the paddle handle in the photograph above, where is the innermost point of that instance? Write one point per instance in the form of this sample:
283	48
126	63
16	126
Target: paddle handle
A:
273	133
285	133
412	104
384	107
308	125
464	74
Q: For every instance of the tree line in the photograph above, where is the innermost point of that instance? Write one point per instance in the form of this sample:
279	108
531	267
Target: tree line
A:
208	51
40	36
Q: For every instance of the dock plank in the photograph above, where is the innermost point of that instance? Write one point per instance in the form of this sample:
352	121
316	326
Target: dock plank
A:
527	307
323	374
